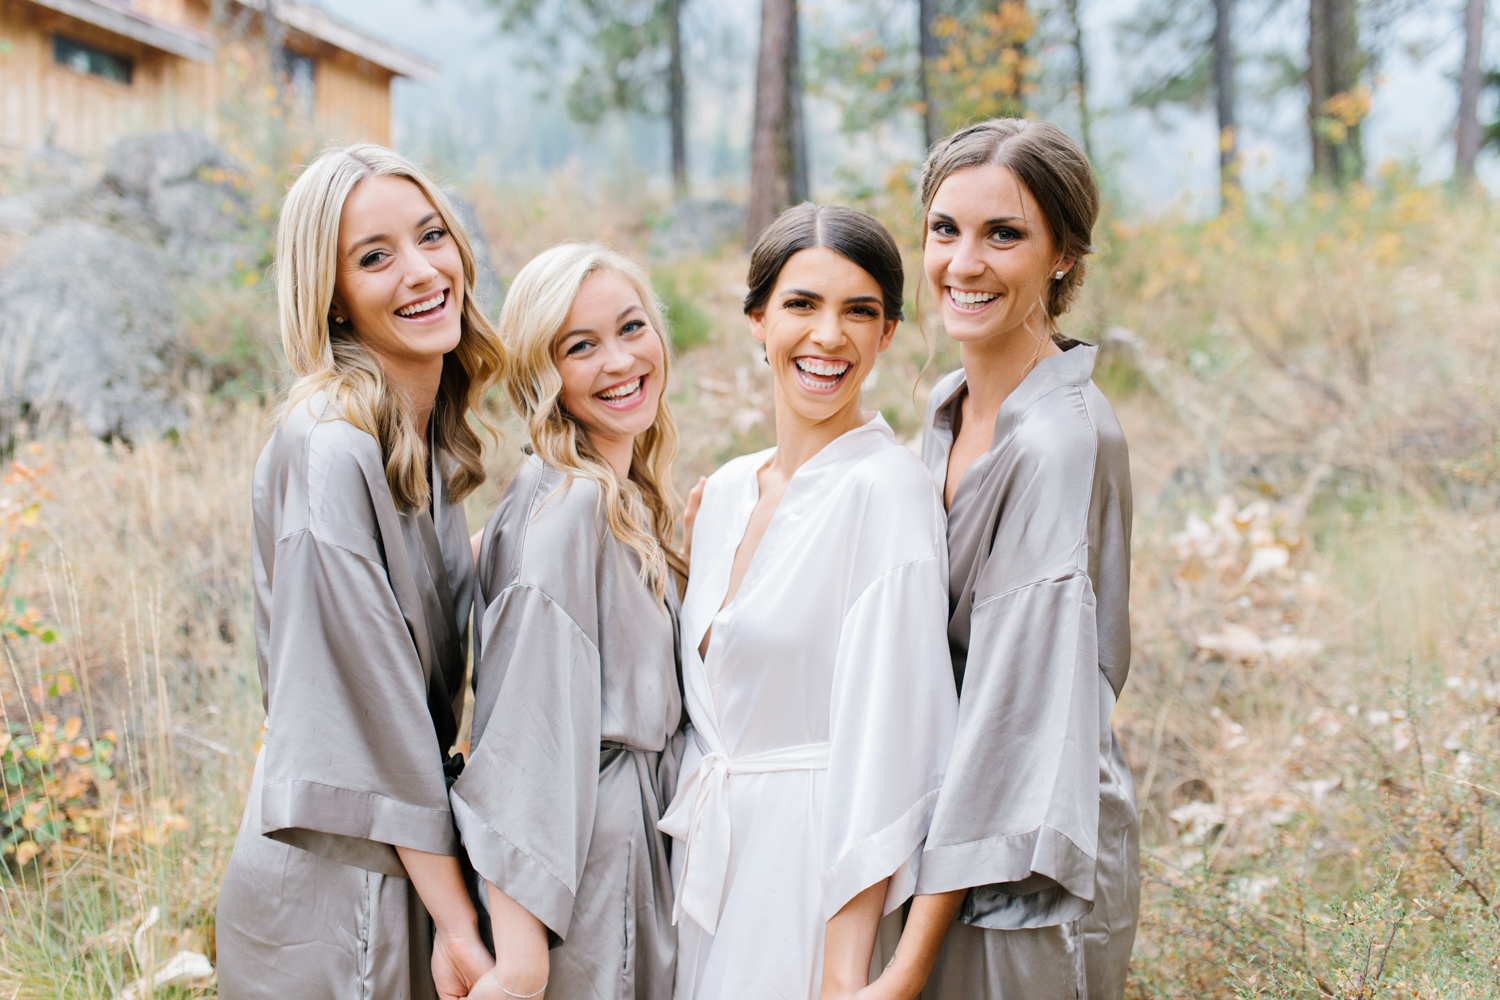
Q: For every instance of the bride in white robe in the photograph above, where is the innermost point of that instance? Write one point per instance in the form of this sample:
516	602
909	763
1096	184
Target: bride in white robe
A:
823	711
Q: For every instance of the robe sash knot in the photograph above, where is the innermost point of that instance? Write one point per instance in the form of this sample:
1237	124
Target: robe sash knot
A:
699	816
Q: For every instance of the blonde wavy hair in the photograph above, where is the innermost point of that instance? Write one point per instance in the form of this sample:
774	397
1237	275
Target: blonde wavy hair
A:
642	509
326	358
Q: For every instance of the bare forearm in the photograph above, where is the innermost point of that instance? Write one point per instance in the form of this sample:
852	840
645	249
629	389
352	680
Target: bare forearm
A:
440	883
927	925
459	958
849	940
521	960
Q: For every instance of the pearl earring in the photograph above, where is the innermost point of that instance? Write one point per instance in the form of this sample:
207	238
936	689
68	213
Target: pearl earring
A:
1058	275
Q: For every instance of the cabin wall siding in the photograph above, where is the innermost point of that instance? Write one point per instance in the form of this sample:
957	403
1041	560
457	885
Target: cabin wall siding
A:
44	103
352	99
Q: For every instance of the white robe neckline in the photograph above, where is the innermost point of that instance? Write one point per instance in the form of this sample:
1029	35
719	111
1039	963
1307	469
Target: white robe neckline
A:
695	626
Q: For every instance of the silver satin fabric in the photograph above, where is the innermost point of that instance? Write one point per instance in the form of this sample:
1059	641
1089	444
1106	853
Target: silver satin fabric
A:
1037	811
361	621
577	704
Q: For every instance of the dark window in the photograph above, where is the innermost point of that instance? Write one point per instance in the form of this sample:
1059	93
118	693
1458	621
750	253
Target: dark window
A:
298	78
87	59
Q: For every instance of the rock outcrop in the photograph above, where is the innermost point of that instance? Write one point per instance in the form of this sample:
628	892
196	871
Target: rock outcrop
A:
92	271
88	327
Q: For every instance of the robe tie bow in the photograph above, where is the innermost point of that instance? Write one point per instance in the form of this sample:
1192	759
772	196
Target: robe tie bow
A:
699	816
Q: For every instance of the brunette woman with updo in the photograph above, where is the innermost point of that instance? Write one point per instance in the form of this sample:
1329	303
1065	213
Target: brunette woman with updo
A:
1034	839
814	660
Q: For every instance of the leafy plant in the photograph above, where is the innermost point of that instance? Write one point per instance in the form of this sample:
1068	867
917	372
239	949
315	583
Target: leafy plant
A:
53	777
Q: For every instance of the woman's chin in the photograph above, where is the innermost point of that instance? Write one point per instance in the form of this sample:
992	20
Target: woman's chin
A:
816	408
608	422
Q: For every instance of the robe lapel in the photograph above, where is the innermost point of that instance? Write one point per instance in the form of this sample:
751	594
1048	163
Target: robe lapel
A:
970	539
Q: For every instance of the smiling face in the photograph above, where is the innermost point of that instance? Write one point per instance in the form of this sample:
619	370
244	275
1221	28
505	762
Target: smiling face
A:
400	282
823	325
989	257
612	364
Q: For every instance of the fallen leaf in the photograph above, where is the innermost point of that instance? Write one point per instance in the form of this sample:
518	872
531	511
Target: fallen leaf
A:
186	968
1265	559
1235	642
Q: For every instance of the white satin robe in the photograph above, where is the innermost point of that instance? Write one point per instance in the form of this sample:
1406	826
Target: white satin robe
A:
822	720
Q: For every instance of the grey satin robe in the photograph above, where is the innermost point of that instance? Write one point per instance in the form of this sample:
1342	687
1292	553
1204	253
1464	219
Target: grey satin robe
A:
577	705
361	620
1037	813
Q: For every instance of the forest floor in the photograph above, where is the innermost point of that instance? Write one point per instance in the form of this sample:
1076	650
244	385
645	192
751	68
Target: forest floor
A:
1313	710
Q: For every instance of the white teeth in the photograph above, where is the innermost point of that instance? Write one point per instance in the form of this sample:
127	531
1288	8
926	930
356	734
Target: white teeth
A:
825	368
426	305
971	298
621	391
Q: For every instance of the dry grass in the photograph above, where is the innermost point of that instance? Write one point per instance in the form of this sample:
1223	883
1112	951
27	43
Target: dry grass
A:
1315	742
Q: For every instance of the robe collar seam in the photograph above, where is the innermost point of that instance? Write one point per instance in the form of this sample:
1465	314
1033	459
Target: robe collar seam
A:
1079	572
539	590
1063	381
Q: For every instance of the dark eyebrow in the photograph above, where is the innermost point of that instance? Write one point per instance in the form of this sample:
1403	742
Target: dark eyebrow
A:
1003	220
862	298
802	293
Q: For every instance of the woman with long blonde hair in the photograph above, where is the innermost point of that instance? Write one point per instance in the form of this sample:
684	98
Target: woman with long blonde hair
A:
345	878
576	690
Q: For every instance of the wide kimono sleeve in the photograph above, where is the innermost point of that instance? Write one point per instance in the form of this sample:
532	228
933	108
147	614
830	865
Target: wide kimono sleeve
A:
352	767
893	705
525	802
1018	818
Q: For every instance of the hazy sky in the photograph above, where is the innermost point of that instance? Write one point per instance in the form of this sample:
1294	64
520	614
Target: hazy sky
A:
484	113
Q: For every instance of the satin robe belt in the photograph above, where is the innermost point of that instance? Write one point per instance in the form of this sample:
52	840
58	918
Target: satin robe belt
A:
699	817
606	746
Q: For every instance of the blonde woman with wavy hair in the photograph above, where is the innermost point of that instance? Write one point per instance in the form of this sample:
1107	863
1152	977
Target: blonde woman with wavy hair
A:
576	692
346	877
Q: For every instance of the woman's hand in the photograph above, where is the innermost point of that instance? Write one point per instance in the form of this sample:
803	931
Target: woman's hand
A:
689	515
460	962
927	924
459	957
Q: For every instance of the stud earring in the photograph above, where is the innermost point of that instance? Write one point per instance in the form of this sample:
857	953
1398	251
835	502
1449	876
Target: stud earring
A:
1058	275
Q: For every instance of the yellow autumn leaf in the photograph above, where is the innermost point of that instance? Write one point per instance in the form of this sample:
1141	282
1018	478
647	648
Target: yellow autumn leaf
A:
26	850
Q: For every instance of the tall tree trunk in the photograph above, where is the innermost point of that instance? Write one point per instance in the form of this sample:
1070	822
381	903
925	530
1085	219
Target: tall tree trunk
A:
795	140
1224	94
677	99
1081	75
1470	82
1333	69
928	52
775	142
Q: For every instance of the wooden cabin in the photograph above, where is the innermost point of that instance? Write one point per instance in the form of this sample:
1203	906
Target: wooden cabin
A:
79	74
